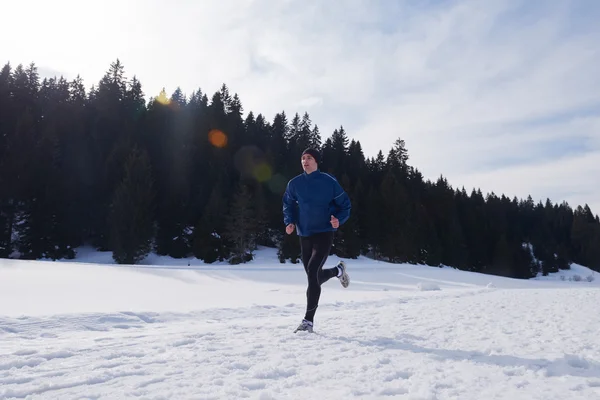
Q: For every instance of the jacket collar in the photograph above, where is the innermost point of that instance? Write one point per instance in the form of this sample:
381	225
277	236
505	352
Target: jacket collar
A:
313	174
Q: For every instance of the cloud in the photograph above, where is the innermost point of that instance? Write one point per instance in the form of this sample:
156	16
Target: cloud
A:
559	162
501	95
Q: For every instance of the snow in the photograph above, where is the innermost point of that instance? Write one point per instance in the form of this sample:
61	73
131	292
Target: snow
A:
428	286
575	273
181	329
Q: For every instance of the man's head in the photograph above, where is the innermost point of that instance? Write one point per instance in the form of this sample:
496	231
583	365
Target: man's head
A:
310	160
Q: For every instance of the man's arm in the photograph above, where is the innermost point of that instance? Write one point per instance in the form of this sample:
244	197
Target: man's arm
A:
289	206
342	203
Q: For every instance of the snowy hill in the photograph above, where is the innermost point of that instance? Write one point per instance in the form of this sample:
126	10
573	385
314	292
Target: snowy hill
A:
89	329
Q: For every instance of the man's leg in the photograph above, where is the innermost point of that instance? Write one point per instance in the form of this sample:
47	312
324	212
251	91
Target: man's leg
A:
321	245
306	251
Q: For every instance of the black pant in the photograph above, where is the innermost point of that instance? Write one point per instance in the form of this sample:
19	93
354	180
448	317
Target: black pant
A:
315	250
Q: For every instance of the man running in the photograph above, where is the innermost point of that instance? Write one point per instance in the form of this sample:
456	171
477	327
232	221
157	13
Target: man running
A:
315	205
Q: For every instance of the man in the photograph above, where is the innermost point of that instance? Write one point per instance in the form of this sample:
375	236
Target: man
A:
315	205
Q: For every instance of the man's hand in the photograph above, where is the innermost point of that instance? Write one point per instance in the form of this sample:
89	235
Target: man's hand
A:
289	229
335	222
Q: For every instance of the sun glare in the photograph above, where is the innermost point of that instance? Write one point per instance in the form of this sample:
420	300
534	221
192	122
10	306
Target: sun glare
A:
217	138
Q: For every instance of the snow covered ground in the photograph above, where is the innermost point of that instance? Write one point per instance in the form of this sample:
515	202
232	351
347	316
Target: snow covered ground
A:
87	329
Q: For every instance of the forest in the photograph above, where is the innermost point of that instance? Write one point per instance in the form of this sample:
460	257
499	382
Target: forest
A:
197	176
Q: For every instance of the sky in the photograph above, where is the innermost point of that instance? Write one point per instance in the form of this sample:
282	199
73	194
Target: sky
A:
502	95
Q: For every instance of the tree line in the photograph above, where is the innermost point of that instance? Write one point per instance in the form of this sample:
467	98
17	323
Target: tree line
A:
186	176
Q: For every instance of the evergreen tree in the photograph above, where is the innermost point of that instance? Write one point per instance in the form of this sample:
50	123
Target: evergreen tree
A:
7	192
169	142
21	174
356	165
397	245
315	138
502	261
346	240
46	228
447	224
73	163
524	265
358	201
132	211
208	239
265	235
377	223
289	248
109	124
336	152
277	149
242	224
429	249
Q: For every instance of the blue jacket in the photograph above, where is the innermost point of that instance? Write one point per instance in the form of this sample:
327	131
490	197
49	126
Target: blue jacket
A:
310	200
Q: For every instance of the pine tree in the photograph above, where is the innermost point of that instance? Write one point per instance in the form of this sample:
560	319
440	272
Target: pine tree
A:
22	183
346	241
397	244
441	205
46	229
64	152
360	212
398	156
265	235
241	226
337	152
594	250
315	140
328	158
277	149
110	123
208	241
502	262
289	248
132	211
170	143
524	265
429	249
375	224
6	192
355	165
473	215
293	133
305	135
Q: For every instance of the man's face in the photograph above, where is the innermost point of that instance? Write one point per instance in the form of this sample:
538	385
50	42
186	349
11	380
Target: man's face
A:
308	163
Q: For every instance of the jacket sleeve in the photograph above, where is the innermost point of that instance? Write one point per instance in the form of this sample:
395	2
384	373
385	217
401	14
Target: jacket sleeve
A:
341	203
290	215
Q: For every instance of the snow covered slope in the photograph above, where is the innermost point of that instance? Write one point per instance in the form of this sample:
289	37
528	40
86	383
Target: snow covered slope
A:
166	330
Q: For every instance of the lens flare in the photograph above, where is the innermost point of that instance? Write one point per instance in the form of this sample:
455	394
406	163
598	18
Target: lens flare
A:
262	172
163	99
277	184
217	138
251	163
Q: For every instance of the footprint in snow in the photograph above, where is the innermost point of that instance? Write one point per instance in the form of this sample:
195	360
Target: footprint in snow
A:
393	391
24	352
183	342
147	318
57	354
397	375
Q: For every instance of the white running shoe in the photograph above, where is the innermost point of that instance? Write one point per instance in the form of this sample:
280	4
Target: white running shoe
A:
344	277
304	326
